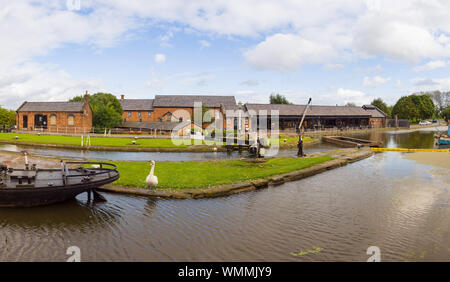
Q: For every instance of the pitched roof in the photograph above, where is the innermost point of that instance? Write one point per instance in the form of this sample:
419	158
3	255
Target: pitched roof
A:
163	125
374	111
51	107
184	101
297	110
137	104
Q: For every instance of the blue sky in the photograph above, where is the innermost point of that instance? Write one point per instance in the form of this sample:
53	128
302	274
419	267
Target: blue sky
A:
333	51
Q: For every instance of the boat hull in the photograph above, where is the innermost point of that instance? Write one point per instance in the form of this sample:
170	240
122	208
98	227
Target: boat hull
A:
50	186
444	141
45	196
349	142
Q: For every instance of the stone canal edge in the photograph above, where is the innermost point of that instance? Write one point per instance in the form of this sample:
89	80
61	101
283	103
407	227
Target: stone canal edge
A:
256	184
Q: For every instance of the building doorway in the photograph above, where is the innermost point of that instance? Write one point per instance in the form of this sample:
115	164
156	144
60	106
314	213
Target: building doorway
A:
40	121
25	121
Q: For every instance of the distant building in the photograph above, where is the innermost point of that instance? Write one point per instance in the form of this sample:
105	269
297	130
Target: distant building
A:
377	116
62	117
317	117
151	114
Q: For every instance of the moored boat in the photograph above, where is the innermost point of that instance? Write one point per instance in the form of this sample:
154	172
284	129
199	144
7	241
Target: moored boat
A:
350	142
442	139
32	186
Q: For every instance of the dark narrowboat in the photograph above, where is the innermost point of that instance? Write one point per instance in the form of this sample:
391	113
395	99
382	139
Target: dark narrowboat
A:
35	187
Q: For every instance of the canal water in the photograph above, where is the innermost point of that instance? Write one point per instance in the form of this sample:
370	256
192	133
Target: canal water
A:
146	156
398	202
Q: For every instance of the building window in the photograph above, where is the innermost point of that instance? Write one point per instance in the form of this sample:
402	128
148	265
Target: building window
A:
246	121
52	119
129	114
70	120
139	114
149	114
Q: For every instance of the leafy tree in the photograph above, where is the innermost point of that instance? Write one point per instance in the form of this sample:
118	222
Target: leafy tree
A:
424	105
7	117
380	104
446	113
106	109
350	104
441	100
405	108
389	111
278	99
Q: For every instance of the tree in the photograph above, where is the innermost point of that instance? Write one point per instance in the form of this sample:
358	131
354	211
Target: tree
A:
350	104
278	99
7	117
380	104
446	113
441	100
424	105
106	109
405	108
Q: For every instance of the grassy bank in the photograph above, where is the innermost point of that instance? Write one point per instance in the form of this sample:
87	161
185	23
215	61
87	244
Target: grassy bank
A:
291	141
95	141
179	175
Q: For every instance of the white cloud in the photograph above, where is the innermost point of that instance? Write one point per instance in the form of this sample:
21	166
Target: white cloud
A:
200	79
431	65
352	96
250	82
286	52
375	81
287	33
204	43
334	66
34	82
160	58
430	84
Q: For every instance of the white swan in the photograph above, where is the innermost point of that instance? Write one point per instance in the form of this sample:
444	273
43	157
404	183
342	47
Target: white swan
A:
151	179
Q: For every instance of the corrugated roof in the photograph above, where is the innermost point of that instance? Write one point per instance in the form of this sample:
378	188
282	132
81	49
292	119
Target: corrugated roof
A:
188	101
51	107
374	111
163	125
297	110
137	104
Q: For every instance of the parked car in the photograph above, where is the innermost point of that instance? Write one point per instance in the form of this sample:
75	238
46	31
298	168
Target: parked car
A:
434	120
424	122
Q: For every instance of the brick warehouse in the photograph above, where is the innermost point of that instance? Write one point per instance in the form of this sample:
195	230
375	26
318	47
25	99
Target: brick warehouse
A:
150	114
60	117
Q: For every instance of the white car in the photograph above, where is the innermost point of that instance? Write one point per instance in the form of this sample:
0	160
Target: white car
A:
424	122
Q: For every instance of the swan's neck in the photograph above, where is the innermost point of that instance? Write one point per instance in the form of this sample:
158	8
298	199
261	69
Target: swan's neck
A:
152	169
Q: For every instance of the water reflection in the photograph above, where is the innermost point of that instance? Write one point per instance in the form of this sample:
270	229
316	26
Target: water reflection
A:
397	203
146	156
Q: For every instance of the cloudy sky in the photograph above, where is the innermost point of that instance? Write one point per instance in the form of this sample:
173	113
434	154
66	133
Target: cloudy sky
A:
335	51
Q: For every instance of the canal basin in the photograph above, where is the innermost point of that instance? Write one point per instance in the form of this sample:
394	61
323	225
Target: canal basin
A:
391	201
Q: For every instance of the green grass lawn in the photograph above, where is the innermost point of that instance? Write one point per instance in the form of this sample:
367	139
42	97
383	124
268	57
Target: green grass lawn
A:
291	141
95	141
121	142
179	175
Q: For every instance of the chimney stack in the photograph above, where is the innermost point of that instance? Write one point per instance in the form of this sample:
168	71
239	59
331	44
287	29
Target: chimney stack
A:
86	97
122	97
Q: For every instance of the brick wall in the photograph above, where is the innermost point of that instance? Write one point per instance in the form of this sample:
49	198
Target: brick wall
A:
82	121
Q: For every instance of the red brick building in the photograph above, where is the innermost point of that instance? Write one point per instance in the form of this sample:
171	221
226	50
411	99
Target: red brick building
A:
377	116
153	113
61	117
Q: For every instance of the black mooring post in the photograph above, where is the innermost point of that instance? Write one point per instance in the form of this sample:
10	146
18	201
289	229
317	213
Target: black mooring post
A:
89	196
